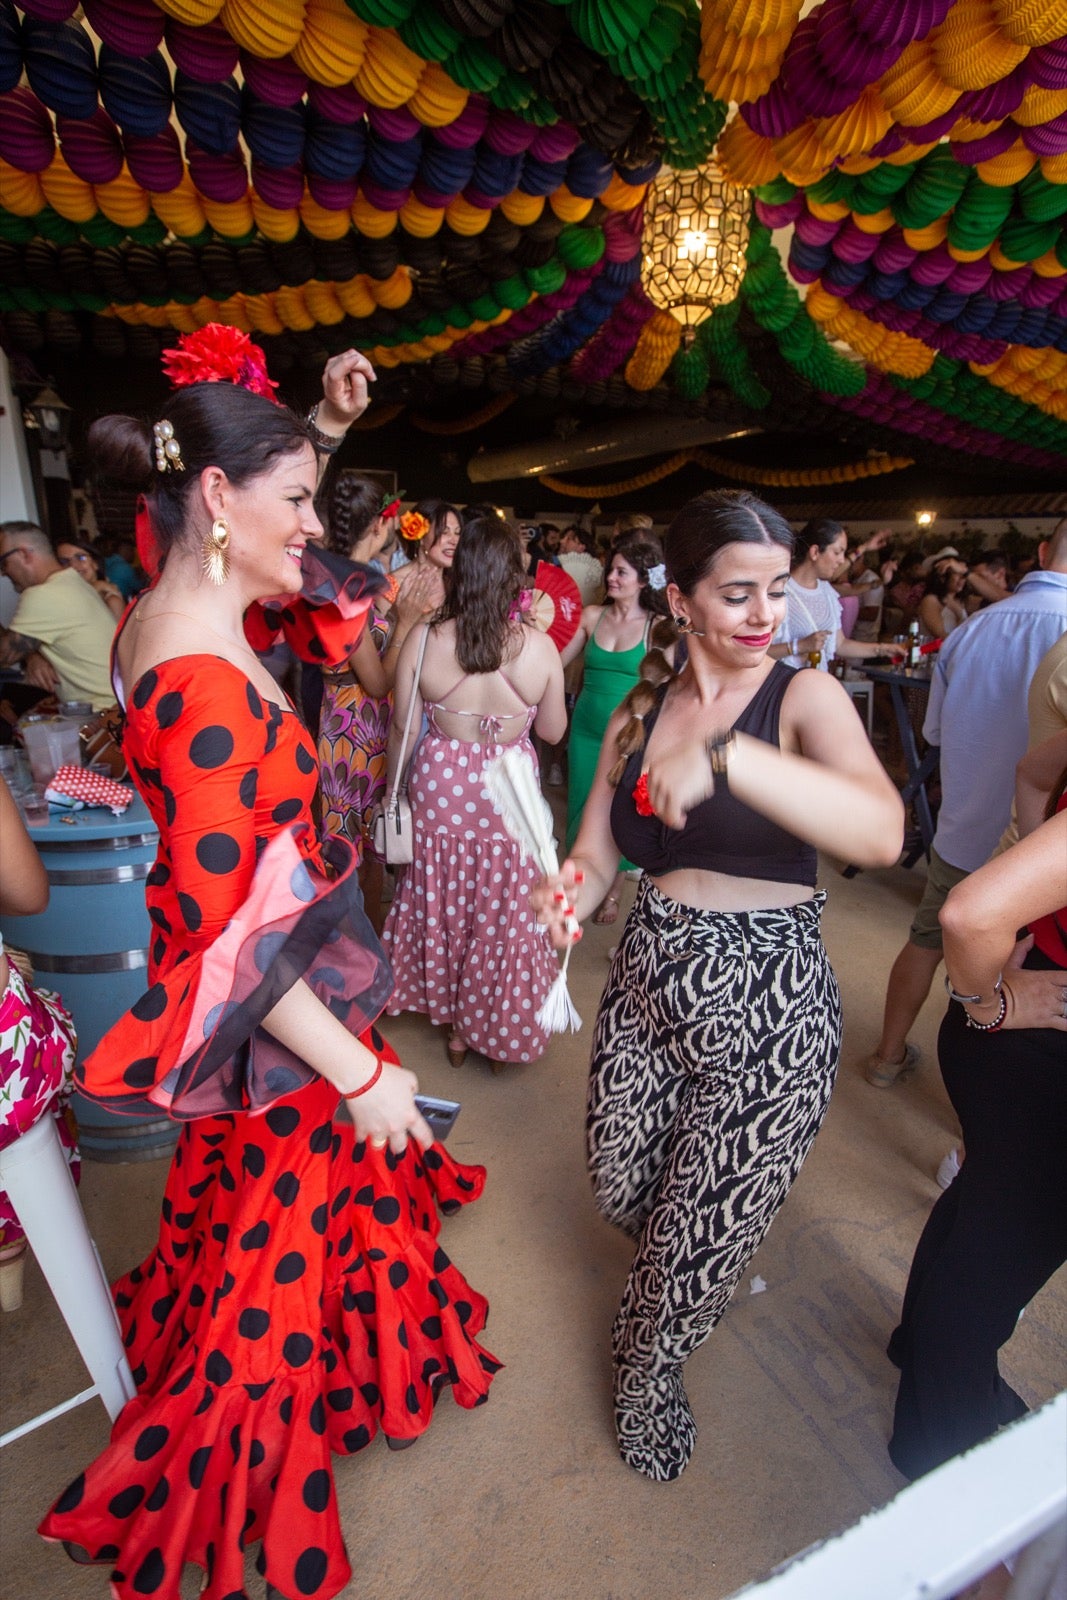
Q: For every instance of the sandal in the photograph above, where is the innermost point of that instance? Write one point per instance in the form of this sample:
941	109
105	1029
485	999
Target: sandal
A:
606	911
456	1049
884	1074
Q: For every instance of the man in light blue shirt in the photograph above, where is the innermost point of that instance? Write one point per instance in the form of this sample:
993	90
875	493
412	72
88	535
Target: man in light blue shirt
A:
977	714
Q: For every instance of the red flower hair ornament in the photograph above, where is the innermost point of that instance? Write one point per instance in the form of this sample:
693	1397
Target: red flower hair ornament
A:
642	804
218	353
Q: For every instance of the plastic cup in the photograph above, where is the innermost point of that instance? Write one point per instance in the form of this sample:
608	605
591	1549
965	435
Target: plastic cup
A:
33	805
51	743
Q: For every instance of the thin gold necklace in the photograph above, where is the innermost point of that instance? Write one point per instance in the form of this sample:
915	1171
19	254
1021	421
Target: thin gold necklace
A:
198	622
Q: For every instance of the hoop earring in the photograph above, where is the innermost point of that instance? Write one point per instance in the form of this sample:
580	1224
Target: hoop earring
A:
681	623
214	549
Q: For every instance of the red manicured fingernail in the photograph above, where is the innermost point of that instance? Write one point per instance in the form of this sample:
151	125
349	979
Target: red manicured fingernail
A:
569	910
577	934
559	895
579	877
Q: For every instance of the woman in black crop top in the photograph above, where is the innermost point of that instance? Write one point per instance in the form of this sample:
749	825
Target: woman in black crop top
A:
718	1034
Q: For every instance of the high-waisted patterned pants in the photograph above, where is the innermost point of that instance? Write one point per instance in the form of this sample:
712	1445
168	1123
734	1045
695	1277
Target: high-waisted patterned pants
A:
714	1054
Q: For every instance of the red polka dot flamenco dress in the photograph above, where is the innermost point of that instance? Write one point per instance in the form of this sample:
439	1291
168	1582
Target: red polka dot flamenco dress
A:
297	1300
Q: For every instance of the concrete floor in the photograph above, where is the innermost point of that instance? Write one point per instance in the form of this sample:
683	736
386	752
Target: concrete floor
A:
527	1496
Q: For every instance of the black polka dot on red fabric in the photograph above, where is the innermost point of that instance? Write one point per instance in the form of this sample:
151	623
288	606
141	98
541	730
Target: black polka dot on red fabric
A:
365	1196
297	1349
162	1308
371	1393
192	915
398	1274
431	1327
145	689
220	1232
316	649
198	1465
291	1267
386	1209
285	1410
246	791
441	1262
340	1399
227	1180
365	1301
255	704
319	1141
432	1159
344	1245
197	1296
235	1443
180	1385
282	1120
253	1160
402	1334
169	708
256	1237
150	1575
463	1311
287	1189
256	1454
310	1570
341	1199
256	1391
218	853
217	1368
125	1503
253	1322
211	747
159	919
411	1399
150	1441
73	1494
206	1403
305	760
317	1417
151	1004
158	1498
287	810
141	1074
320	1219
356	1439
317	1490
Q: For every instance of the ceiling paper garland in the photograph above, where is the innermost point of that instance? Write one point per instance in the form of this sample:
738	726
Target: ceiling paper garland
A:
459	187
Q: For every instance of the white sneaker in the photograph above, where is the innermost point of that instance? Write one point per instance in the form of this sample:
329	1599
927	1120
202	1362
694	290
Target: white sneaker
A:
948	1170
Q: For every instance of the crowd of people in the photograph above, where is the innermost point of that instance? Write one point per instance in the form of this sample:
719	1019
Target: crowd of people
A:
298	1286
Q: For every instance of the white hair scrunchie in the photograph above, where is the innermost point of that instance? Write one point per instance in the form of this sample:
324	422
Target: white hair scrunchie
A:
657	577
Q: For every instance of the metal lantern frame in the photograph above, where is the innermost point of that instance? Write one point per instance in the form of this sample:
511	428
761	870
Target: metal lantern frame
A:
694	240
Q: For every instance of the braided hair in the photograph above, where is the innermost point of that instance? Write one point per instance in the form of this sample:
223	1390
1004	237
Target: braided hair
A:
701	529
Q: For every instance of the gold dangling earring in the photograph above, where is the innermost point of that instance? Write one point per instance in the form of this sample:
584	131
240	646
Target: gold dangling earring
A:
215	547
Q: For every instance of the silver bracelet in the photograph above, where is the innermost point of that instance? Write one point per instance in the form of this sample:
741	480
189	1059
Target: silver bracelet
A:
989	1027
973	999
330	442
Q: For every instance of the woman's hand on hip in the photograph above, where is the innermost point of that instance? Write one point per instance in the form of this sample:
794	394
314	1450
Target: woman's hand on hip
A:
1036	997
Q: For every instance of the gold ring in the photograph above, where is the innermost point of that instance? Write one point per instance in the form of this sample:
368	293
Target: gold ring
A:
379	1144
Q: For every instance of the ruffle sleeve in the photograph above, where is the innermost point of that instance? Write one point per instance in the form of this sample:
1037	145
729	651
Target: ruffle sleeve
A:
323	623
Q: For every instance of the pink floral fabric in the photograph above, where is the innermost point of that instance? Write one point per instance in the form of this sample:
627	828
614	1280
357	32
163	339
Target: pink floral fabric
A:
37	1046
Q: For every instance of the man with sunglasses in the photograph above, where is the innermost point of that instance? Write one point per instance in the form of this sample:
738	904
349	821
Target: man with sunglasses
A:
61	631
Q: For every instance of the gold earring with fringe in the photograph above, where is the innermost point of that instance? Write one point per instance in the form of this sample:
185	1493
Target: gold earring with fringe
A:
215	546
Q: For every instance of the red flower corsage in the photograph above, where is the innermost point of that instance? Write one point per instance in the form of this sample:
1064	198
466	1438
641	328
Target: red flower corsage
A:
642	803
218	353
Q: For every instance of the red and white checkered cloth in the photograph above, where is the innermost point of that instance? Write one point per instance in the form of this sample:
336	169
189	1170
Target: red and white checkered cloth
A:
77	786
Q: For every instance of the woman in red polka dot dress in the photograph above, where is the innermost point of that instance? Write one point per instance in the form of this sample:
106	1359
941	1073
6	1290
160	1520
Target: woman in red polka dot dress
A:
297	1301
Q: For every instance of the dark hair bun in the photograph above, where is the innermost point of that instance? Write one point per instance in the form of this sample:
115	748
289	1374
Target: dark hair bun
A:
121	448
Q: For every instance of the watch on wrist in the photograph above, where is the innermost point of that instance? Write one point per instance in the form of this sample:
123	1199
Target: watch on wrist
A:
720	748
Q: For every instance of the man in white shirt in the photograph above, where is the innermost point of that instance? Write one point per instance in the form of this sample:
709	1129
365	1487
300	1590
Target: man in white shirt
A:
61	630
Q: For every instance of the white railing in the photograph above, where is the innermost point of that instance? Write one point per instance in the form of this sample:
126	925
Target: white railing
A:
943	1531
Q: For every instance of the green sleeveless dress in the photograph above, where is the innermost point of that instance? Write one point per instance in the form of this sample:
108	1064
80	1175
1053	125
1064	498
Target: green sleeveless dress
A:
609	677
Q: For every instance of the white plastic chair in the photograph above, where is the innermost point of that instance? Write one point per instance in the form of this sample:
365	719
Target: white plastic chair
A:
35	1174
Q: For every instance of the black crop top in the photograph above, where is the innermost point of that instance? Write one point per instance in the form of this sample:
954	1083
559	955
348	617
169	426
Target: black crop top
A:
721	834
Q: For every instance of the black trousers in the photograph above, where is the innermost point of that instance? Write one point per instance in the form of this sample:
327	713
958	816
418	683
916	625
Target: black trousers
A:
991	1242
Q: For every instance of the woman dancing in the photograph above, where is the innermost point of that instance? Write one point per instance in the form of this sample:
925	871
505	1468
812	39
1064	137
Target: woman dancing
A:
615	637
465	946
718	1034
297	1300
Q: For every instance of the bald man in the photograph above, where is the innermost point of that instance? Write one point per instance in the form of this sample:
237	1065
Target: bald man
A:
61	631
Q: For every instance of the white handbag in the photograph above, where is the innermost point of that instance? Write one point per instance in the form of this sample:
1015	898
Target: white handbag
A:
393	828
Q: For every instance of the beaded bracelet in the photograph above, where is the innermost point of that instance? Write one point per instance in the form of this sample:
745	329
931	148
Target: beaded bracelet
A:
354	1094
330	442
997	1022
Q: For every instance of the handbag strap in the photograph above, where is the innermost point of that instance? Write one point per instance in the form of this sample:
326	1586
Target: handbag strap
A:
401	771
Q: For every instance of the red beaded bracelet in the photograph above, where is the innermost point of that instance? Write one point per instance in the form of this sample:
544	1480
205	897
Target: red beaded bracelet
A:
354	1094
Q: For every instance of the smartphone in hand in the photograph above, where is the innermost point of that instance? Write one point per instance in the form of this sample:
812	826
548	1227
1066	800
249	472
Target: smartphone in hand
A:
440	1114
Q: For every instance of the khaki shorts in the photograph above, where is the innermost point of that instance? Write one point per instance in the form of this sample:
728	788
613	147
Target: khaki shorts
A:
940	878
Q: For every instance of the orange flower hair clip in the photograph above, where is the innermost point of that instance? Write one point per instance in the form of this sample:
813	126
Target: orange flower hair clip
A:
414	526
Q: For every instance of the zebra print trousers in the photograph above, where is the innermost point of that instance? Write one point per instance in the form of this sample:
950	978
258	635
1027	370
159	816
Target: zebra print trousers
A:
714	1055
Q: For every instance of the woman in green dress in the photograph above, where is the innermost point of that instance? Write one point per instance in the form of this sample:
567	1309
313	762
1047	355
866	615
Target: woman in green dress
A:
615	638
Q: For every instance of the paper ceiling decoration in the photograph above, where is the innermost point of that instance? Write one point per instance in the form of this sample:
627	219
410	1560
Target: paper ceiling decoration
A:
459	187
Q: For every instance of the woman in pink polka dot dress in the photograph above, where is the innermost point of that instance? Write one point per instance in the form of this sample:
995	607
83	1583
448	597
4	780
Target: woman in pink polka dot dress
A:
465	947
